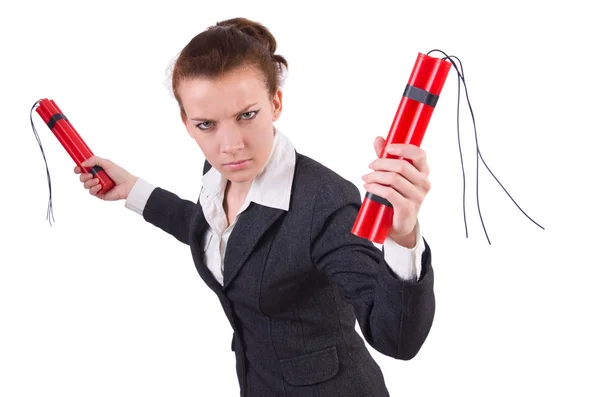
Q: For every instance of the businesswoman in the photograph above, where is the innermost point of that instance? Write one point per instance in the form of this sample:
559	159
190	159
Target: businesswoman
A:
270	231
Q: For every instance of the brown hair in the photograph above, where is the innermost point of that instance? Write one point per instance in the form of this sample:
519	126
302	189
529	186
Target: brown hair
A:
228	45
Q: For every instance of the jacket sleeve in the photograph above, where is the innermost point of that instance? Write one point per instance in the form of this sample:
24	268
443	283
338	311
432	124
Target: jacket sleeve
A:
394	315
163	209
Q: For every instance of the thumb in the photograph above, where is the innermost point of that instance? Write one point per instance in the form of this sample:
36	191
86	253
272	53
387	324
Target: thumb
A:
94	160
379	145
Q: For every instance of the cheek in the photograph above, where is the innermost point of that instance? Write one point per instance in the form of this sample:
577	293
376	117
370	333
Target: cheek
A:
264	143
208	148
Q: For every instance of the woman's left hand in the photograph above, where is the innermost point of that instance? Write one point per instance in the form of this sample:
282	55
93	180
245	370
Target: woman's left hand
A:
401	183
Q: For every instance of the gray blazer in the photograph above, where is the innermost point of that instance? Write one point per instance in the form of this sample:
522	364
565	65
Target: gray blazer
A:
296	282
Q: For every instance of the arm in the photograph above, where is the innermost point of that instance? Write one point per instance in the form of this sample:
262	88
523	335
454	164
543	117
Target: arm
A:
394	315
162	208
404	262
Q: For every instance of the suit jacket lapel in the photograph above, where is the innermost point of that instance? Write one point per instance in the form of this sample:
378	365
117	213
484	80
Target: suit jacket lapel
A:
197	230
251	225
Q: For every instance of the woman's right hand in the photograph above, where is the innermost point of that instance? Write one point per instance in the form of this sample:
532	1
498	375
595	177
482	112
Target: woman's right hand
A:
123	180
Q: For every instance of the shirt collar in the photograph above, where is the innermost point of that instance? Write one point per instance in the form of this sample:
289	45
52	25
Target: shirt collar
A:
272	186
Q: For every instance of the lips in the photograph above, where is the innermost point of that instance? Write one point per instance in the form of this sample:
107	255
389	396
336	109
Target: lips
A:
237	162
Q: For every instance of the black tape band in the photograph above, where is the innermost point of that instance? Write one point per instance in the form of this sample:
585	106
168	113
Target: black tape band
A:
55	118
420	95
378	199
95	169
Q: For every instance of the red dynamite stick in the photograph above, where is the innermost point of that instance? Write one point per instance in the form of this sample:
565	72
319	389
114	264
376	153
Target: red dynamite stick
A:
420	96
71	141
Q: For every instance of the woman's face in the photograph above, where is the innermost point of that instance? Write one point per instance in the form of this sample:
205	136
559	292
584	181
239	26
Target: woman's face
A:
231	118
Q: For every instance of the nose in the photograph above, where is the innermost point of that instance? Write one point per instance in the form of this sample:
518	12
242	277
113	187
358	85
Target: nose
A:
232	141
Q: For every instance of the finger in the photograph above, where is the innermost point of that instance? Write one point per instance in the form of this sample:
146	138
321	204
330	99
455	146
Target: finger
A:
77	170
90	162
410	152
94	190
402	167
86	176
101	196
91	183
397	182
379	144
401	204
95	160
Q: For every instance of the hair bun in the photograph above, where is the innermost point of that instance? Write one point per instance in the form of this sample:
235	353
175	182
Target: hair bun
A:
252	29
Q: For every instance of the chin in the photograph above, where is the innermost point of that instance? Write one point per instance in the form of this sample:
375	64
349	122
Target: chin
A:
239	176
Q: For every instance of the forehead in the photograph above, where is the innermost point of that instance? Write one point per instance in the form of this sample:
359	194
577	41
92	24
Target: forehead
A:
222	96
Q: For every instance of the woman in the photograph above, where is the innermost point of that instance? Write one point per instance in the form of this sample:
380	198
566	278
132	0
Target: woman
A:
270	232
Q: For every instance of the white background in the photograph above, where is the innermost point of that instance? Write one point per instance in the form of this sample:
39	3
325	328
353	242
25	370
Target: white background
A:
104	304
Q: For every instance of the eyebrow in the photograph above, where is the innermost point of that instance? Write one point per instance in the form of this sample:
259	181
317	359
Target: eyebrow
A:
241	111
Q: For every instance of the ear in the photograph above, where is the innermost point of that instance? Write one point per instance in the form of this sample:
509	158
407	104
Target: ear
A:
277	104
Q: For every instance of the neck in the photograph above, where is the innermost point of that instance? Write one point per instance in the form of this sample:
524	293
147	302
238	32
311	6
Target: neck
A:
237	191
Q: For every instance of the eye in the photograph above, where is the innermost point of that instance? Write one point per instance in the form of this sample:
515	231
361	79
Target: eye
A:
249	115
204	126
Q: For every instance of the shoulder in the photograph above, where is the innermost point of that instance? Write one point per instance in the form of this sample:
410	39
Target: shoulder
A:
312	178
